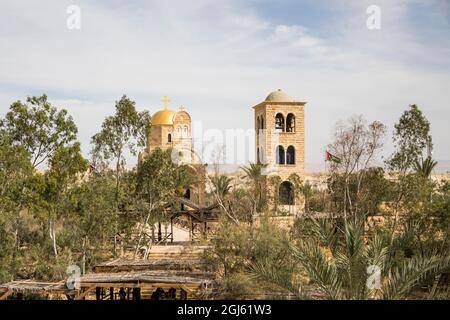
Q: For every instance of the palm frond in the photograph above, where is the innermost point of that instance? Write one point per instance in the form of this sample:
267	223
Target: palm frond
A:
271	274
409	274
319	269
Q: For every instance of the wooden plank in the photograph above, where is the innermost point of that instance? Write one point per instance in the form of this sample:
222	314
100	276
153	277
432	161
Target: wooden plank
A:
6	295
85	292
144	285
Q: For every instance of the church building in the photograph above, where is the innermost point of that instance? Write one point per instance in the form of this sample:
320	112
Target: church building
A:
172	129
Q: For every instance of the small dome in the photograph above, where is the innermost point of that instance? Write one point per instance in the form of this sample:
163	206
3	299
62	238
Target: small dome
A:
279	96
163	117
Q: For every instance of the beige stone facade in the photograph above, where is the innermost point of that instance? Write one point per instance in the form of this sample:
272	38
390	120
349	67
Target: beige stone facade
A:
175	133
173	130
280	139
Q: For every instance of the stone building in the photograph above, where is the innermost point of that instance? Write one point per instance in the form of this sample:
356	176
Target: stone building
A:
172	129
280	143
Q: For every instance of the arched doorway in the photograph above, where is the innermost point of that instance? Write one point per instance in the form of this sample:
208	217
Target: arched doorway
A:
286	193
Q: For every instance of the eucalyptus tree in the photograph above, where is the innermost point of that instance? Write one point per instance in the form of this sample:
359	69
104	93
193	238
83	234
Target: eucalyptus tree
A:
90	218
158	181
124	131
66	168
412	139
39	127
16	195
413	142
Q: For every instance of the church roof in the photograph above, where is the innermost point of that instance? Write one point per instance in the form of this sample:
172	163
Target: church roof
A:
163	117
279	96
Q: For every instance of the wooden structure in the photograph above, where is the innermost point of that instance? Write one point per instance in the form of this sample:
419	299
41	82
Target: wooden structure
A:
21	288
192	216
162	274
170	272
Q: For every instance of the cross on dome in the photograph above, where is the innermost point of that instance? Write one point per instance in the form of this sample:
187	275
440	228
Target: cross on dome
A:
165	102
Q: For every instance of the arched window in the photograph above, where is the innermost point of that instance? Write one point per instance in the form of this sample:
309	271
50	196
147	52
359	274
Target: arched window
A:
169	137
258	124
187	194
258	159
262	122
286	193
279	122
290	155
185	132
261	155
290	123
279	153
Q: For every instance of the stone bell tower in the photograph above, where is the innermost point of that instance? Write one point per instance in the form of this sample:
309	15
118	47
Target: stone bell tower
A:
280	140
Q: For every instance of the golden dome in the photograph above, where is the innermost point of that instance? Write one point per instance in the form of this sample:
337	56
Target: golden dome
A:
279	96
163	117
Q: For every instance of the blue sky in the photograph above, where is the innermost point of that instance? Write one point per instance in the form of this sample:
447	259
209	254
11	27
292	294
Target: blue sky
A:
219	58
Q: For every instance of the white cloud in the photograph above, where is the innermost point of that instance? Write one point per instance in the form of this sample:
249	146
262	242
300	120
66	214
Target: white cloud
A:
219	59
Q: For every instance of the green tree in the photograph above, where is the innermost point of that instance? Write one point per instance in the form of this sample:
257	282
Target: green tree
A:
158	180
16	195
122	132
91	218
39	127
67	166
425	167
125	130
222	185
411	138
255	173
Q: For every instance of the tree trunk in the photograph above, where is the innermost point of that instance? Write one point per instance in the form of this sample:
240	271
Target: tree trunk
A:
159	231
83	270
52	233
140	234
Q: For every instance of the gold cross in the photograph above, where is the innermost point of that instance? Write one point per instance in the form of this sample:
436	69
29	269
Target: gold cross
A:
165	102
181	108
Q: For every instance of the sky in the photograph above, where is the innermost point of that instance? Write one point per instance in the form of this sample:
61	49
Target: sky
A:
219	58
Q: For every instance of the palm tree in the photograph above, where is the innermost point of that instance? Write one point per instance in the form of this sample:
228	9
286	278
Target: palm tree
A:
222	185
342	266
425	167
182	181
255	173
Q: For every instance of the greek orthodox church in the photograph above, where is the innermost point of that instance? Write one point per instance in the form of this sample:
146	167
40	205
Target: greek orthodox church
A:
279	137
173	129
